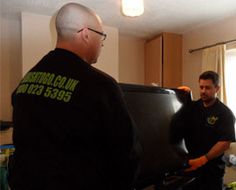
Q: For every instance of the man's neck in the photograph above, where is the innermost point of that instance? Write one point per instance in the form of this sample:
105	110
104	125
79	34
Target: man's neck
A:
76	49
210	103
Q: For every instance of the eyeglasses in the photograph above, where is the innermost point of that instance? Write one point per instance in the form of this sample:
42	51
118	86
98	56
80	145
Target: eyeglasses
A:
104	36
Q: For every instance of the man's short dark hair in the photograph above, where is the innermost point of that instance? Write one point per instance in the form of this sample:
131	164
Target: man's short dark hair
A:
210	75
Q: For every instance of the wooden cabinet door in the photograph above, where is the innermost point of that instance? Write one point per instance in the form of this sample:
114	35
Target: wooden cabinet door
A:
172	60
153	61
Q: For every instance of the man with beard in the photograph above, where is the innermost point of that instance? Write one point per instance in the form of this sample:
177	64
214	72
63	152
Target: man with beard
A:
207	127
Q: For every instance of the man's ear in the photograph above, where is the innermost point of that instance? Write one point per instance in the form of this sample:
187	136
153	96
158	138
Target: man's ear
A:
85	35
217	89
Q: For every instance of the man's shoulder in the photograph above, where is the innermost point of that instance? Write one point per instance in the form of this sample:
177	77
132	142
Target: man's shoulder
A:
101	77
196	103
223	108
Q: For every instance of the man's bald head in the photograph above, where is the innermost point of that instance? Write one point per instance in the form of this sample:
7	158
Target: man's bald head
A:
73	17
80	31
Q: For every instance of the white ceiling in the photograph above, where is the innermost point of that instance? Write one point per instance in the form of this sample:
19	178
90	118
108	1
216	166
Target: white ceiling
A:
178	16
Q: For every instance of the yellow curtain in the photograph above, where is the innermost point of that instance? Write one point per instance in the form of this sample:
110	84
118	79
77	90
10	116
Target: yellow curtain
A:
214	59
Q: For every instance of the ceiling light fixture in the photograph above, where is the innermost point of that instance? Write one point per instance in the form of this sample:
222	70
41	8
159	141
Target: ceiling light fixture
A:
132	8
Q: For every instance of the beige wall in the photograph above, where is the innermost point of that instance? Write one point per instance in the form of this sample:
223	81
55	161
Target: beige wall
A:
131	63
36	38
10	72
212	33
108	60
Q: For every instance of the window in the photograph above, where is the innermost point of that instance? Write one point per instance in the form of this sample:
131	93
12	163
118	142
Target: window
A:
230	79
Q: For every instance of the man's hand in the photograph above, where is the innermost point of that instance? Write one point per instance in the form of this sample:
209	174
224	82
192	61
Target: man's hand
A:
196	163
184	88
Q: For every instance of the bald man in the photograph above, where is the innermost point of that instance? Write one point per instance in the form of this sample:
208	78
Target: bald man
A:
72	129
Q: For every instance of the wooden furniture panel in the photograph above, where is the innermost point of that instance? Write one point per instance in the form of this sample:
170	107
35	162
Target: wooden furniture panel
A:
172	60
163	62
153	61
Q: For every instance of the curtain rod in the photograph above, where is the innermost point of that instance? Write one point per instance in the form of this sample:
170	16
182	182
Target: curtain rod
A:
204	47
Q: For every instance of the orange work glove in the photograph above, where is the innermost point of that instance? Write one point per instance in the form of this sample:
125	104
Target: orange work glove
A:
184	88
196	163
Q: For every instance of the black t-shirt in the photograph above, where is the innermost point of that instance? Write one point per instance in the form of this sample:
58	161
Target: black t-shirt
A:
202	128
205	126
72	129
